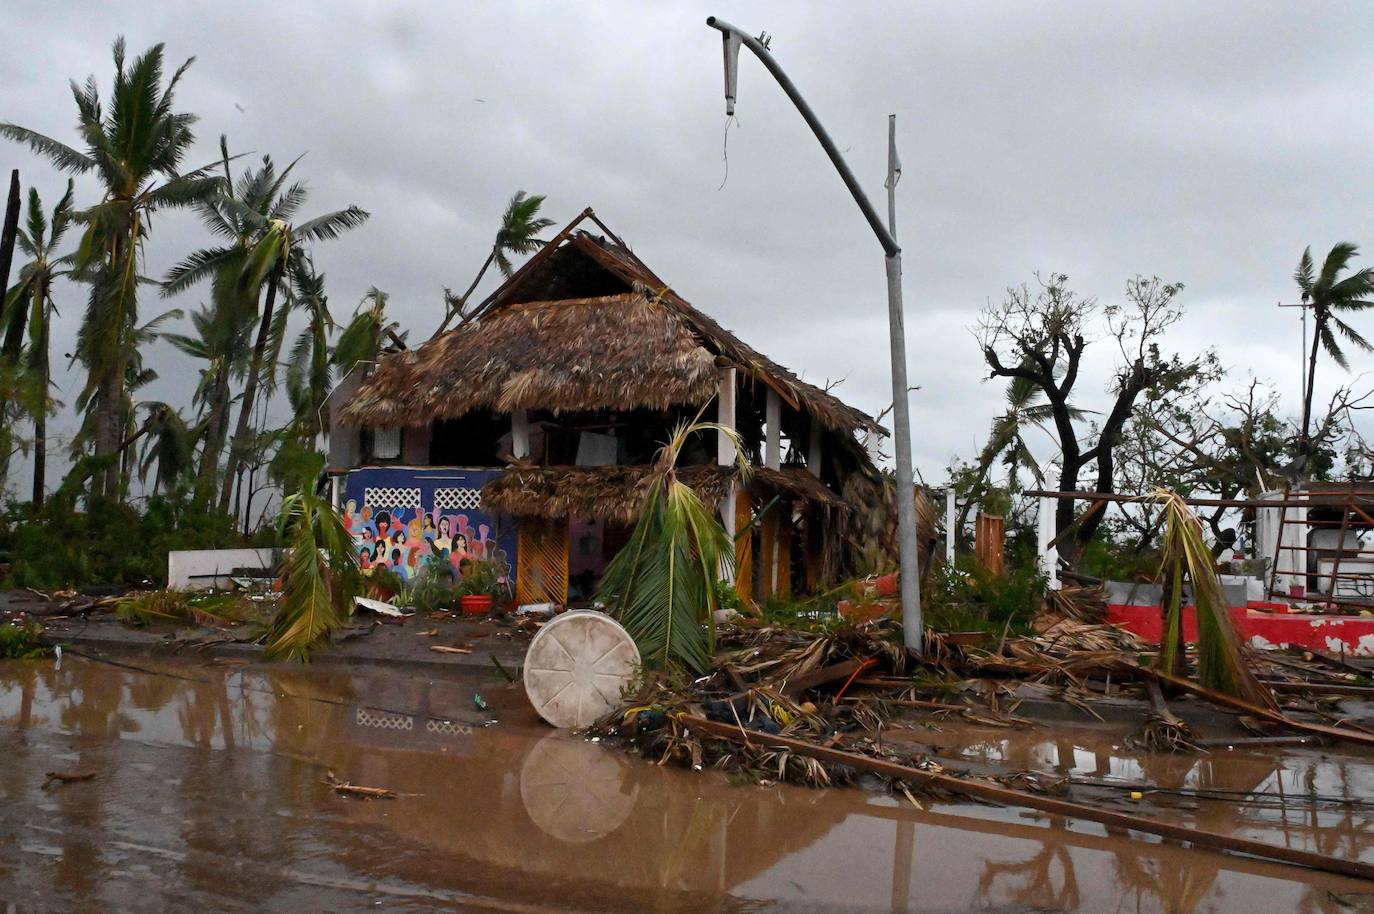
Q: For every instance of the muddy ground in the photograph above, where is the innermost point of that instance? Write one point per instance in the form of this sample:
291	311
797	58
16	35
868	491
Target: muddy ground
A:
208	793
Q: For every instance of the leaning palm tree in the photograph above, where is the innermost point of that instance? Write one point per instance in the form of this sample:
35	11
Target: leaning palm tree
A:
259	252
135	148
1329	295
219	340
662	584
309	368
277	245
520	223
224	328
29	308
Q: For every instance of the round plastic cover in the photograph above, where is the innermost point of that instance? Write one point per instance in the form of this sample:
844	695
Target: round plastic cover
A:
576	667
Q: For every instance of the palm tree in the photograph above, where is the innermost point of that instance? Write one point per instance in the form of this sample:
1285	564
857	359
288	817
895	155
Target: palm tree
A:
519	225
29	305
224	328
168	443
309	368
136	150
261	248
1330	295
1006	440
361	340
277	244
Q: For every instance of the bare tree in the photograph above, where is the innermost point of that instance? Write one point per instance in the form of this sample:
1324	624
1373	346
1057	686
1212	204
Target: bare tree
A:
1041	335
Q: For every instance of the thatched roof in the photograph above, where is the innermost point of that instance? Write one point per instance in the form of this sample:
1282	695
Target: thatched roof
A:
618	352
583	325
614	493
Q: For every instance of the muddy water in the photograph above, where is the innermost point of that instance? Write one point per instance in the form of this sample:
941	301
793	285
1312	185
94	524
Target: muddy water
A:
208	795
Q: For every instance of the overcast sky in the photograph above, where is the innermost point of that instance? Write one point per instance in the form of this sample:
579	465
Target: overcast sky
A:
1189	141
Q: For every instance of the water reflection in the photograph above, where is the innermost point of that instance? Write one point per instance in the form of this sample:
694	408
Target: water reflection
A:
212	767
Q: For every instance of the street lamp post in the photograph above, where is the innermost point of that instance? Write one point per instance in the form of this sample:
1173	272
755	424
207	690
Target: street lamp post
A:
901	412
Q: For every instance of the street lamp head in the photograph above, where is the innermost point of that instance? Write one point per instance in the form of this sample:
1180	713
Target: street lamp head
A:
731	40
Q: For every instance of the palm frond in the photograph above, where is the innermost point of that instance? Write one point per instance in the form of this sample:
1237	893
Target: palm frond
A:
1223	661
331	225
1351	334
321	577
1332	347
60	154
662	584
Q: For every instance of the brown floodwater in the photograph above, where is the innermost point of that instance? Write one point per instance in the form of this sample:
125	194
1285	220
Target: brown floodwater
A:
209	795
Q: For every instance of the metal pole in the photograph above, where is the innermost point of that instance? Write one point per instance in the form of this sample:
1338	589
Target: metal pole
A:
912	625
901	415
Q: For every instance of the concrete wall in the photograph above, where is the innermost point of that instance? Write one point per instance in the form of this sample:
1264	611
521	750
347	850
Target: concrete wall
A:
202	569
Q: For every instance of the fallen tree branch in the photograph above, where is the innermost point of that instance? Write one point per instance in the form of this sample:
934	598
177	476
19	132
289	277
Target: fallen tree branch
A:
983	790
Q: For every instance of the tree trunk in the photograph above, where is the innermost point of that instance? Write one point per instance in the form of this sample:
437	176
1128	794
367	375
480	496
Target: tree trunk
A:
462	302
216	425
10	231
40	416
1305	442
239	444
107	433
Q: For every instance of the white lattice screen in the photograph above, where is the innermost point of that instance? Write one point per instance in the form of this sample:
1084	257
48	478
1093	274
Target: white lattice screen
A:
391	497
452	499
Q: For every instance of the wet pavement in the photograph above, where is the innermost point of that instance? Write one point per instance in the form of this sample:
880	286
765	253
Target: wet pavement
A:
208	794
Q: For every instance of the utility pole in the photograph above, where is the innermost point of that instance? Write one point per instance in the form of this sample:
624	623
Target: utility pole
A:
1302	361
912	626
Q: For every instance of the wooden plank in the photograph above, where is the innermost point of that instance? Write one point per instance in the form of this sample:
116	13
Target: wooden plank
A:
744	545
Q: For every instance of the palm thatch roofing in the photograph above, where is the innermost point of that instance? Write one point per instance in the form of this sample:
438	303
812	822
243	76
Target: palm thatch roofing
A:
615	493
583	325
619	352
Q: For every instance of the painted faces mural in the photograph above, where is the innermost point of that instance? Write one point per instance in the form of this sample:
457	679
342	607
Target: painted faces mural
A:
410	520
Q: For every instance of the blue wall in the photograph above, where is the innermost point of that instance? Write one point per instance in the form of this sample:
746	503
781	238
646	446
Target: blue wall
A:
437	511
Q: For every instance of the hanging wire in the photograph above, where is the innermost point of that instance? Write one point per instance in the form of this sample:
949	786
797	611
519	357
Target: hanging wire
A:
725	148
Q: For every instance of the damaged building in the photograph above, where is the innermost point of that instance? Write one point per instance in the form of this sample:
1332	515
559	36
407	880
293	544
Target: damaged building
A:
527	433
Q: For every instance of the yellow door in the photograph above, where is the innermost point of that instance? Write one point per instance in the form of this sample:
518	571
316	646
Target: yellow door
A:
542	562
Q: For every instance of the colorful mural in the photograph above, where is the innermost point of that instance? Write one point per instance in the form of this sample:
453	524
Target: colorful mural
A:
407	519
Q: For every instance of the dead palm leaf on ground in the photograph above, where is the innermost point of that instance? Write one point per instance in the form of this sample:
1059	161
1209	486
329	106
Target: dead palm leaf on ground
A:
1223	661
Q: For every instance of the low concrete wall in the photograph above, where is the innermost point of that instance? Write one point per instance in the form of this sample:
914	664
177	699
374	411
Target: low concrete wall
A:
202	569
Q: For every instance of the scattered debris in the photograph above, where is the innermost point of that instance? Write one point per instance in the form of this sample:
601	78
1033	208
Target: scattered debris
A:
381	607
444	649
66	777
344	788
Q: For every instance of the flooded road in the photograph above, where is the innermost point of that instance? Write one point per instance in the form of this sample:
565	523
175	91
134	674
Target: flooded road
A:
208	794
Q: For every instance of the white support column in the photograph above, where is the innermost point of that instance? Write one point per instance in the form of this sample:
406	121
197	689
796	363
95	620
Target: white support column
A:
813	449
335	494
1047	552
725	451
772	452
951	535
520	434
772	459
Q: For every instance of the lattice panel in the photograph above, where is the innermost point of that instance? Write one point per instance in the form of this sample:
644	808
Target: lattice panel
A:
384	720
447	728
542	575
456	499
391	497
